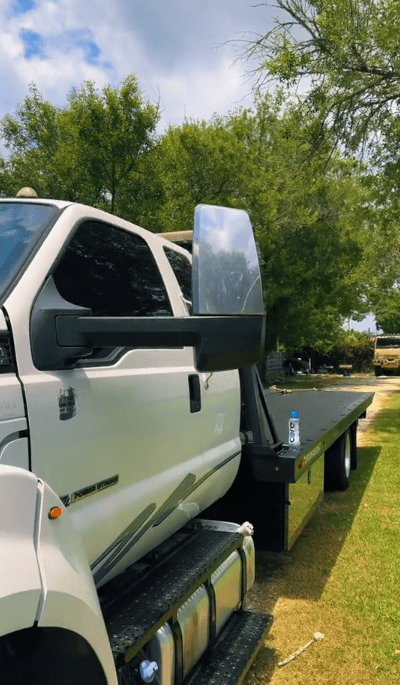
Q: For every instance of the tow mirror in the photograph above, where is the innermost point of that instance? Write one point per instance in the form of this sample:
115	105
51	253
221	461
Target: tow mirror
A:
226	271
227	326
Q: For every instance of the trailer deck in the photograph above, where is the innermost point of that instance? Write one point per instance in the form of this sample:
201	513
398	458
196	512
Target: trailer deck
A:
278	488
324	417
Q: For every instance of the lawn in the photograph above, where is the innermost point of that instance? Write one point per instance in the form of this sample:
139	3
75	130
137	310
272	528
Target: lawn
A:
341	578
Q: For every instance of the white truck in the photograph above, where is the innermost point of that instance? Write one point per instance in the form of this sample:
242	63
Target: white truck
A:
129	437
119	424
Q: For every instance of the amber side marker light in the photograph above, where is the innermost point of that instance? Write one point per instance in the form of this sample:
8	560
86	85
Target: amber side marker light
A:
55	513
302	463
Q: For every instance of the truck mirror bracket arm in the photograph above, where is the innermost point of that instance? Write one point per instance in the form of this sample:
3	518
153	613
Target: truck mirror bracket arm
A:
220	342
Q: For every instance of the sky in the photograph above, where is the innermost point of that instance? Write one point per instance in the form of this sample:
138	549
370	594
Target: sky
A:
367	325
182	51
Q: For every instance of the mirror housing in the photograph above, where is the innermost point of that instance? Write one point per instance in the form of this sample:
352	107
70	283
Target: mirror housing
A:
227	326
226	271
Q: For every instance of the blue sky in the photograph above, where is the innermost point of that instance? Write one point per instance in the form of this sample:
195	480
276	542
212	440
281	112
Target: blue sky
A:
180	50
367	325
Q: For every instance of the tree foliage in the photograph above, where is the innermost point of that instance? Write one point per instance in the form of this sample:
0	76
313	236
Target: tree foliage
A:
387	312
306	206
342	59
354	348
309	205
344	53
88	151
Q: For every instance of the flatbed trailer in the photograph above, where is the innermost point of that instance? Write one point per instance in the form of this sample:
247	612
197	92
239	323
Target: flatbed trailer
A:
279	486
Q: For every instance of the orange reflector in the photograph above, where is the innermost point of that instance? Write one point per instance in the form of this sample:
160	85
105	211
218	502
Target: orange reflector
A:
55	513
302	463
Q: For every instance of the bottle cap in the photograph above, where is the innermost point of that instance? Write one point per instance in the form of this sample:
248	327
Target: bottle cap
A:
294	414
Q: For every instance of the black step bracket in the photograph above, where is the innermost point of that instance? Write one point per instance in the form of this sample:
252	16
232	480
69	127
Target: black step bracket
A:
156	599
229	660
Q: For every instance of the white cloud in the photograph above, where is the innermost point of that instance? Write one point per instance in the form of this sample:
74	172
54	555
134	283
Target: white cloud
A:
198	93
170	47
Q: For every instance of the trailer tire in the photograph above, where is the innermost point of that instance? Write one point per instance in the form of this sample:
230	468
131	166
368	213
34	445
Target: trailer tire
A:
353	445
338	464
378	370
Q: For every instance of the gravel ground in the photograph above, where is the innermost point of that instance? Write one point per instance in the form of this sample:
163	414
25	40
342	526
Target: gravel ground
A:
383	386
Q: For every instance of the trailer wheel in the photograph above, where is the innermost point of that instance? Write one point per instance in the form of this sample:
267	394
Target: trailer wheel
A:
338	464
353	445
378	370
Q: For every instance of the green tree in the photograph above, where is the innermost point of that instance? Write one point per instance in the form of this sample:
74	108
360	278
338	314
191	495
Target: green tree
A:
309	205
387	312
194	163
347	54
306	206
113	131
352	347
344	56
86	151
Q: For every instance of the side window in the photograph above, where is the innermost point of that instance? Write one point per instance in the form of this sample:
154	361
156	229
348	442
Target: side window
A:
113	272
182	269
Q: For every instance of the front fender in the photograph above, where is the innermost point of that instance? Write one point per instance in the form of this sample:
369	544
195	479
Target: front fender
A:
20	581
69	598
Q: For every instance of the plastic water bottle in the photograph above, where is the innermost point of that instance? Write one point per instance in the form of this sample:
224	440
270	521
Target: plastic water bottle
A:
294	430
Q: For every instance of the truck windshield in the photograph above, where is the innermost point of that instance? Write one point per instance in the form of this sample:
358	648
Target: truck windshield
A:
388	342
21	227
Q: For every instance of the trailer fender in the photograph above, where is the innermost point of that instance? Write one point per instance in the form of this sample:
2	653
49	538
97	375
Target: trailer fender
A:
20	581
69	600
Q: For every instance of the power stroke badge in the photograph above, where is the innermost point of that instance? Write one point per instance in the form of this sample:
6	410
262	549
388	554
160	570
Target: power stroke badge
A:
88	490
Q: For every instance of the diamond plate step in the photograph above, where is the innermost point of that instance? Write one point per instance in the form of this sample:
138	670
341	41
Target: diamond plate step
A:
153	601
235	651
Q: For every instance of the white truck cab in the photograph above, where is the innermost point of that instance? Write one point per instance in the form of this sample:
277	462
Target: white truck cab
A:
119	419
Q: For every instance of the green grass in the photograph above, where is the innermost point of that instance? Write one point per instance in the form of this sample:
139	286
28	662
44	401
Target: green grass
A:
341	578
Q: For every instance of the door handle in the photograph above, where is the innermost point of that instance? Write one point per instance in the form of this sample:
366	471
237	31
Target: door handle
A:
194	393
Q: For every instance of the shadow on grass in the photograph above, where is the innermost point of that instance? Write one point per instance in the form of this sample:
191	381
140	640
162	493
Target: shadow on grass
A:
303	572
263	668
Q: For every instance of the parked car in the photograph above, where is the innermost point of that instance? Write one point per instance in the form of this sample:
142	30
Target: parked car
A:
294	365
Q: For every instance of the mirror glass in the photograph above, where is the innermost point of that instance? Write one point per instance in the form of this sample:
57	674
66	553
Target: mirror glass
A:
226	271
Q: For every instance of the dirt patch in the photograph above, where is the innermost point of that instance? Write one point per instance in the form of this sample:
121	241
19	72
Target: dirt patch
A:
383	387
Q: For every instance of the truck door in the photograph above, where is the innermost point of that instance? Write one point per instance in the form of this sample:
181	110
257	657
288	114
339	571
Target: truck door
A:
219	392
116	437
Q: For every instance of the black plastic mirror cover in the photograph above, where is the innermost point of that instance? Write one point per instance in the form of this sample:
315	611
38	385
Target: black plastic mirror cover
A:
226	270
220	343
235	342
46	353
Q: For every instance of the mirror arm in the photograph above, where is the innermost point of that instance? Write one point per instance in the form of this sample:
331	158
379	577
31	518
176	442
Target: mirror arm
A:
220	342
126	331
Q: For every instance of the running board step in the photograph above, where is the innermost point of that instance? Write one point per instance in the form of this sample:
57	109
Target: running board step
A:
155	599
229	660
